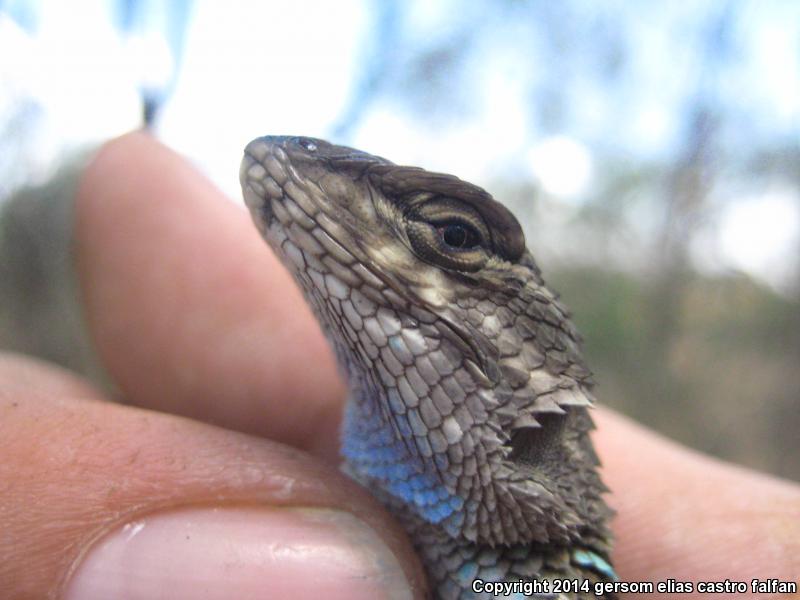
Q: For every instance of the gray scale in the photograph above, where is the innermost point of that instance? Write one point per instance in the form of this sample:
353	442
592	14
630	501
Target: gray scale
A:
468	405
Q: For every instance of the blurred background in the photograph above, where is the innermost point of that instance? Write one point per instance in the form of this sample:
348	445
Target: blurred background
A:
651	150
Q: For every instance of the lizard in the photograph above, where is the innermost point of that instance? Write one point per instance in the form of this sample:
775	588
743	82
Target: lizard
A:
467	413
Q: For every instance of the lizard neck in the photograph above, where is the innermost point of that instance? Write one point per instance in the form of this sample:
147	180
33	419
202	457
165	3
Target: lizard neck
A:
383	452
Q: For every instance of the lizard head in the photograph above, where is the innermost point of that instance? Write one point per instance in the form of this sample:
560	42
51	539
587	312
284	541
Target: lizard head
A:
469	390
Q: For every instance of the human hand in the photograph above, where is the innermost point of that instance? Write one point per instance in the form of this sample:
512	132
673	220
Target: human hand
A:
685	516
192	315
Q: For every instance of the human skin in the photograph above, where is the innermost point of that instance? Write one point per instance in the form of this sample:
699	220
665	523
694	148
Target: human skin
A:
232	402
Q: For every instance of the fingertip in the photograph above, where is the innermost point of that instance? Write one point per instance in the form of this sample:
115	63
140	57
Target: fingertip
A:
189	310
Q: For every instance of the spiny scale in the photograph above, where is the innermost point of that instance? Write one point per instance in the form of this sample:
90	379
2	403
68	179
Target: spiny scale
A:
469	395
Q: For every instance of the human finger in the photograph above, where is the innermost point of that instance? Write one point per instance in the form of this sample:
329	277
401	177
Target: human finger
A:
685	516
190	312
100	500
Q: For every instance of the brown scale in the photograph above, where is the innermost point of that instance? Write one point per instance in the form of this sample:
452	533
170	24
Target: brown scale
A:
425	286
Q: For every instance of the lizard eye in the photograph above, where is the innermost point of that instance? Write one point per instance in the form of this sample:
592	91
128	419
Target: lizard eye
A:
449	233
460	236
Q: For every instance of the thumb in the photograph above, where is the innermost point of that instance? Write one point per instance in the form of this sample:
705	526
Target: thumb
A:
105	501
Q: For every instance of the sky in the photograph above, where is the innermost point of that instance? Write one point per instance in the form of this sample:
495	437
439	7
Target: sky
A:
249	69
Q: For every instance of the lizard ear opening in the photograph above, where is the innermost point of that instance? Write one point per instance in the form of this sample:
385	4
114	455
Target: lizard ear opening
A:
534	445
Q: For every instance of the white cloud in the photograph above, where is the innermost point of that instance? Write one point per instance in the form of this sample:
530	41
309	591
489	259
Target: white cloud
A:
562	166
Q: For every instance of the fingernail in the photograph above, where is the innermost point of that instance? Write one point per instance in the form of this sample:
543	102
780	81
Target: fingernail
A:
242	554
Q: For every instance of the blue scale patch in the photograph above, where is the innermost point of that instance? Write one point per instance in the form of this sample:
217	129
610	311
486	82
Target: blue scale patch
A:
589	559
373	451
467	574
